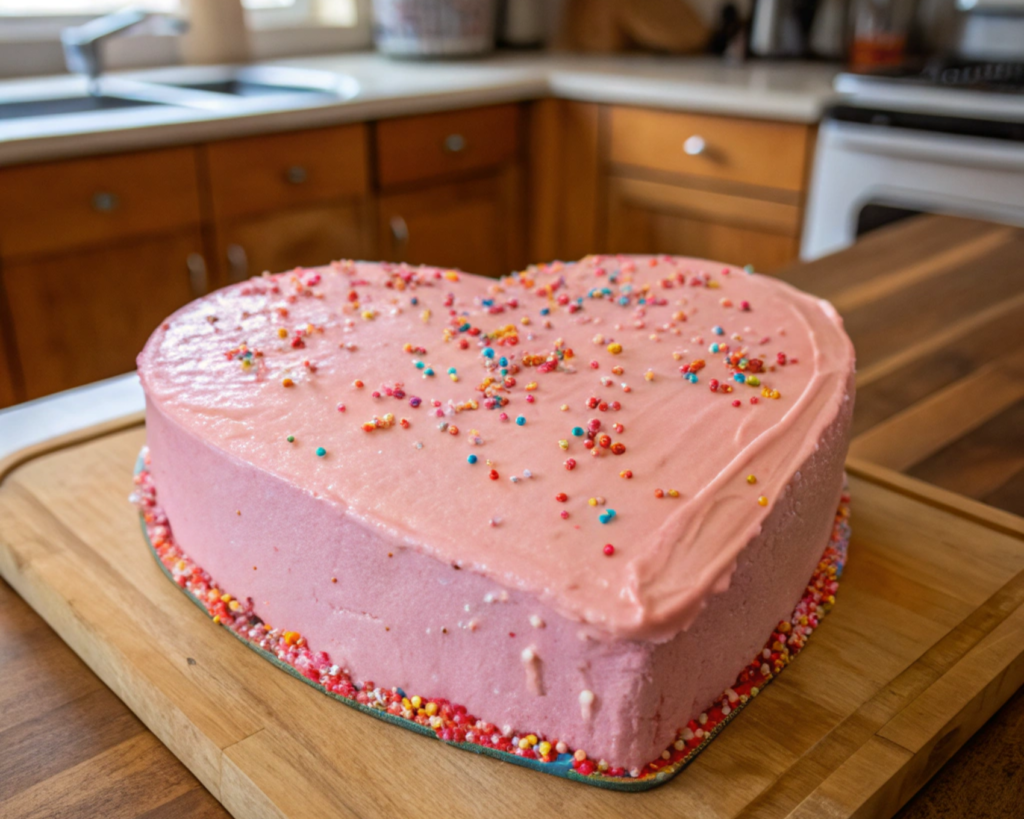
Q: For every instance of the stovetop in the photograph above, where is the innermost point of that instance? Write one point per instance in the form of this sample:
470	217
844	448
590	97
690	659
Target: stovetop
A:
940	86
1002	77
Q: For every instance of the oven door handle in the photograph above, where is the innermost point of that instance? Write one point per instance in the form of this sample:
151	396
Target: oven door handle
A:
924	146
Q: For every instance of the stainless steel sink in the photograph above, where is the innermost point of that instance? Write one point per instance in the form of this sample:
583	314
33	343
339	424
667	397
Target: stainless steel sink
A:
241	88
66	105
261	81
222	89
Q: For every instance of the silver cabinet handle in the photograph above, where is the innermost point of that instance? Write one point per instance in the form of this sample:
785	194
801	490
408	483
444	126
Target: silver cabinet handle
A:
694	145
105	201
454	143
399	231
296	175
197	278
238	261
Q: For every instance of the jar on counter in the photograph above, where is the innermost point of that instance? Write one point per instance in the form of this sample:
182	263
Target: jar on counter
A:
434	28
878	32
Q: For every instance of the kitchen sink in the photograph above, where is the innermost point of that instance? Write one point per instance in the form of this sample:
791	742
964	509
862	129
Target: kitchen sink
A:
66	105
212	88
240	88
260	81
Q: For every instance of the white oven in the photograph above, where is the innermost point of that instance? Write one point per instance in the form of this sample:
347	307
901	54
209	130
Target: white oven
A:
885	151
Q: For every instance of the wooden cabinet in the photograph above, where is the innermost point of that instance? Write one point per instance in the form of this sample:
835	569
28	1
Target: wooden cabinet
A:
451	190
724	149
10	386
651	217
287	200
414	149
85	316
97	201
94	253
470	225
304	237
711	187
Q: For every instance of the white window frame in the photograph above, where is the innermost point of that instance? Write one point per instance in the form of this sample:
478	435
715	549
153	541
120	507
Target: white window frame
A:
273	33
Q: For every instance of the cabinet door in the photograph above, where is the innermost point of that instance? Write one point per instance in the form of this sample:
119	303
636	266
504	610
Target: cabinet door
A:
85	316
9	393
651	217
295	238
473	226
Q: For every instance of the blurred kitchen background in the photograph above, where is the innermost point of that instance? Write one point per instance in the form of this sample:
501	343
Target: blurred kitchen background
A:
150	155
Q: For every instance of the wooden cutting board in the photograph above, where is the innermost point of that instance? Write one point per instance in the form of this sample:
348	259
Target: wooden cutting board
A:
925	643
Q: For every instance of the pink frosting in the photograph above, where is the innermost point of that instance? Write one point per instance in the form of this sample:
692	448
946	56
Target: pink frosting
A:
217	370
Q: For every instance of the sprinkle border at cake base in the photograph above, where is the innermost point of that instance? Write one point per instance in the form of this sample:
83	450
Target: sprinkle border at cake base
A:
449	722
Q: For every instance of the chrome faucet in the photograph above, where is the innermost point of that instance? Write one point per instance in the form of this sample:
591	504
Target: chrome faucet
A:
82	43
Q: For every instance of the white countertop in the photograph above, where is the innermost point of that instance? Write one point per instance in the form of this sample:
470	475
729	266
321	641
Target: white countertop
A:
789	91
33	422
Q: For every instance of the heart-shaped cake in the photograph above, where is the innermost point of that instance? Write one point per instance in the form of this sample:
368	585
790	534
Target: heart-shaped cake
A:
576	500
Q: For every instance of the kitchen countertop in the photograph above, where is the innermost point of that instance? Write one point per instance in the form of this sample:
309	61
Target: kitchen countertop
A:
939	411
786	91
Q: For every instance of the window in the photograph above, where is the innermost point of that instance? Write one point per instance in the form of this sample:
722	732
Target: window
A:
30	31
262	13
75	8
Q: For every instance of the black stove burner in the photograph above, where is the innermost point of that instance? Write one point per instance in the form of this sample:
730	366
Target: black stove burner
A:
971	76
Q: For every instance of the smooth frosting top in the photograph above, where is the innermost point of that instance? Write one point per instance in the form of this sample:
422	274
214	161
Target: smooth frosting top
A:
461	414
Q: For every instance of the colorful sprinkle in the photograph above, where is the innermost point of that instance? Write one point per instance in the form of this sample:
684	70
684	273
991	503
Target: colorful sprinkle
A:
320	452
472	459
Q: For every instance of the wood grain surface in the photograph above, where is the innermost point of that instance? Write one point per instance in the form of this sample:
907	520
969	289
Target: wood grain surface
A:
68	746
746	151
432	146
53	206
935	307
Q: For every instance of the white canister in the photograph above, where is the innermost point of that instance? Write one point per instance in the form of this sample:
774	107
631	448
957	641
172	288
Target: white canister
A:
434	28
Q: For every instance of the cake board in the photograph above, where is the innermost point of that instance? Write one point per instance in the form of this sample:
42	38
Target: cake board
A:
926	641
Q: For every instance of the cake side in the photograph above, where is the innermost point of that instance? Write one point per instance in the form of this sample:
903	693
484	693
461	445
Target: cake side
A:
394	615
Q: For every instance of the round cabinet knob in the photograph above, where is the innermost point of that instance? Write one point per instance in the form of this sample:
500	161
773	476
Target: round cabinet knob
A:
197	279
296	175
455	143
399	231
105	202
694	145
238	262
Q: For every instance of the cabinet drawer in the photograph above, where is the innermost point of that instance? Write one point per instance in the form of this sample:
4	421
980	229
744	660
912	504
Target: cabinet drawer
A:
753	152
63	205
416	148
279	171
